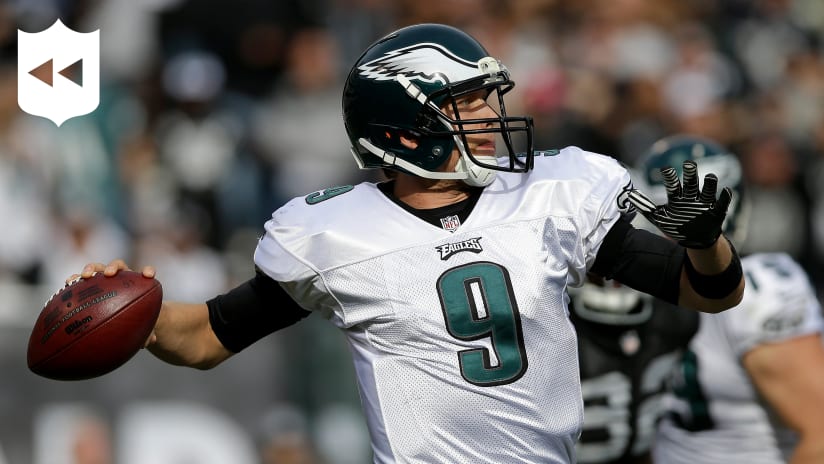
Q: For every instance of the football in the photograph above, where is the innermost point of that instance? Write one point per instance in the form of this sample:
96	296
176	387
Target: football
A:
92	326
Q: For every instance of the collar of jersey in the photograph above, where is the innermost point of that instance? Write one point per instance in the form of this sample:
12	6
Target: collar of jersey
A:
433	216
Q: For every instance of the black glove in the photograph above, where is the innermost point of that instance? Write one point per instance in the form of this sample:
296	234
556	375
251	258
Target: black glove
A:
690	217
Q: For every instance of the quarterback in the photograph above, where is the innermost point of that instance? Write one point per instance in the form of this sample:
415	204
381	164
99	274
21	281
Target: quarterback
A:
450	279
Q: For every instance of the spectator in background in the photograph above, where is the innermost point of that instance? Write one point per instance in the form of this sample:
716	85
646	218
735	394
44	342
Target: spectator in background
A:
771	169
299	133
194	81
93	442
178	249
24	192
696	87
199	138
815	190
73	433
79	231
285	436
341	435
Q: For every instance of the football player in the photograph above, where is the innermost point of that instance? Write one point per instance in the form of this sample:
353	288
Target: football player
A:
628	344
750	388
450	280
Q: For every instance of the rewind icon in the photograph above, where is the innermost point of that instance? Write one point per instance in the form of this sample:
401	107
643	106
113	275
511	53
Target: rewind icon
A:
45	72
43	57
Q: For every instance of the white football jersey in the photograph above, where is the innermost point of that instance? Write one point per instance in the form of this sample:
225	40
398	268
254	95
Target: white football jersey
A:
461	340
718	414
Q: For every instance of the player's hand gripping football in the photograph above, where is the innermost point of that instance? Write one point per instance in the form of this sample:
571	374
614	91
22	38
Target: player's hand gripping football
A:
109	270
692	216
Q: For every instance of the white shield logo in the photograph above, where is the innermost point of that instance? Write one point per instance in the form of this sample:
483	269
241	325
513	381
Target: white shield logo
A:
58	72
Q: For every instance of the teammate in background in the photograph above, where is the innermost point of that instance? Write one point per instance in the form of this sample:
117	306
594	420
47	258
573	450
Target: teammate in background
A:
751	387
450	280
628	344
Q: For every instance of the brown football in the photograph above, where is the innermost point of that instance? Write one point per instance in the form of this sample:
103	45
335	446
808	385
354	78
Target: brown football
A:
92	326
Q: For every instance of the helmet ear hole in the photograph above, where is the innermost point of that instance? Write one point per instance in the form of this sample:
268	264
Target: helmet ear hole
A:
407	139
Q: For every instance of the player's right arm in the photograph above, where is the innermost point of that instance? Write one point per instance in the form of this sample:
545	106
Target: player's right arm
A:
203	335
182	335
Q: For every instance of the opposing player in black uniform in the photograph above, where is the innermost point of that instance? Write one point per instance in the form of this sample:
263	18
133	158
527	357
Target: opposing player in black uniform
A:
628	344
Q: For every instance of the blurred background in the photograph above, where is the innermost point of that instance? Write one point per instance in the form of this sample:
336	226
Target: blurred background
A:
214	113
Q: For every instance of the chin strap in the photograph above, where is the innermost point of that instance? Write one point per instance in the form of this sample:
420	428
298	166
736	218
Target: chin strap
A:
477	176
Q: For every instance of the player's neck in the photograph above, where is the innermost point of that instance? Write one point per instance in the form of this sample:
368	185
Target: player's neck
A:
420	193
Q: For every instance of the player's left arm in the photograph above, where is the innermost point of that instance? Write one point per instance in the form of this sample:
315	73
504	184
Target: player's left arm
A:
788	374
712	279
658	266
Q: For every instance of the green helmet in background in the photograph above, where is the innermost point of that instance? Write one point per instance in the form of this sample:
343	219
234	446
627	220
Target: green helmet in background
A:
711	158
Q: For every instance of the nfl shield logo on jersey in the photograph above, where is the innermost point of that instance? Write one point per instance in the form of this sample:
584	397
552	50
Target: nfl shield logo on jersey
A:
58	72
630	342
451	223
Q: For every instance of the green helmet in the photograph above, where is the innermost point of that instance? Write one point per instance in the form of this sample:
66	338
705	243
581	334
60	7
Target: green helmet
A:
710	158
398	87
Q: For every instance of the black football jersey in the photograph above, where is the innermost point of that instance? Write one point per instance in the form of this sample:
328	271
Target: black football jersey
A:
624	371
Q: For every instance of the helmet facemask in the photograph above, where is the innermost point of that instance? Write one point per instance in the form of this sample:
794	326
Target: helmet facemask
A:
512	135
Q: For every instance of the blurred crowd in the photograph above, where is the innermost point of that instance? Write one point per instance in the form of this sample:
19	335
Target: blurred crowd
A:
214	113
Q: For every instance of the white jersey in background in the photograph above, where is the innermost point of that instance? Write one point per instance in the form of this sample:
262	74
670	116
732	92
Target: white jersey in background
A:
462	343
717	415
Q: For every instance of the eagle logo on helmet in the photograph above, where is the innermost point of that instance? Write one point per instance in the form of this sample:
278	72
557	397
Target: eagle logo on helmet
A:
427	62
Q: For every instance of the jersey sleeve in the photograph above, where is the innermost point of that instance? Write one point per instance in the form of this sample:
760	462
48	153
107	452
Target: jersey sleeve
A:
604	203
779	304
278	256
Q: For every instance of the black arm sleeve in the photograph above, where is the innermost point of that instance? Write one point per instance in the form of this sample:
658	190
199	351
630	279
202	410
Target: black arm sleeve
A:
252	311
641	260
